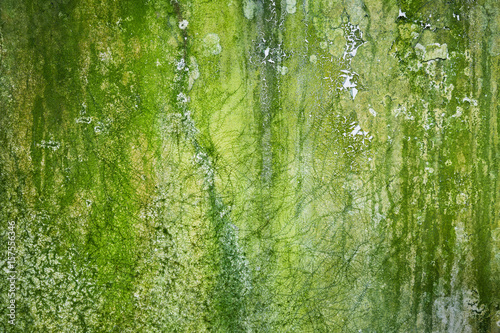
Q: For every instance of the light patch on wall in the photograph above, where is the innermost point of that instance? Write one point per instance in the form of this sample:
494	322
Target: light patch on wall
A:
212	44
249	9
291	6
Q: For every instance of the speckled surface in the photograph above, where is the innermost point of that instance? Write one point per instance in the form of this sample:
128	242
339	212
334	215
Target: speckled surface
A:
250	166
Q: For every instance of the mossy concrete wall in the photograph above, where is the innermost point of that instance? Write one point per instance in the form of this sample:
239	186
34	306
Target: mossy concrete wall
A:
251	166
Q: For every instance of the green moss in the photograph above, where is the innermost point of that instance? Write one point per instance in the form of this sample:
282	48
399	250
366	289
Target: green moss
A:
265	166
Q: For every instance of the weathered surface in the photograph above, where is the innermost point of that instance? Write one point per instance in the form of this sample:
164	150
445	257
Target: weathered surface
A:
255	165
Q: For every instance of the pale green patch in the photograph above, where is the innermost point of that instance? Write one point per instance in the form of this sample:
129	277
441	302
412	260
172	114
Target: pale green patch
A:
433	51
183	24
211	44
249	9
194	72
291	6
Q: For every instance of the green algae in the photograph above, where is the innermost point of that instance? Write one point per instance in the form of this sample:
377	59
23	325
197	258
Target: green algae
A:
293	166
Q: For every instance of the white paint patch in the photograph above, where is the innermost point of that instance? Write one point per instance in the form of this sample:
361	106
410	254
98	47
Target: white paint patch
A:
356	130
354	39
347	83
183	24
471	101
182	98
354	92
181	64
266	53
194	73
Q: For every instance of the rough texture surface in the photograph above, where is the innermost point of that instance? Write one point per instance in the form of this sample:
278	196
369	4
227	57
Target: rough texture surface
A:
250	166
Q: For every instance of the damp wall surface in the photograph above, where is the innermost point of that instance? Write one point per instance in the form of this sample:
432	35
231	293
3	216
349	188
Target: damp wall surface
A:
250	166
